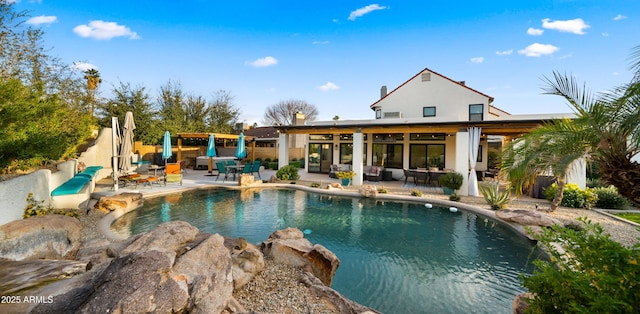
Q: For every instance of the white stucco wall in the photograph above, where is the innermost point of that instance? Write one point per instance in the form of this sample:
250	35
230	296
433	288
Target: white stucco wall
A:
14	192
451	99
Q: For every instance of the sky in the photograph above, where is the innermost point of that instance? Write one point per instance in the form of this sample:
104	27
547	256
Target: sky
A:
337	54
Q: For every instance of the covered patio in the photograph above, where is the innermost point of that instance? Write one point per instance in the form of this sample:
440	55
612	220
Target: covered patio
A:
403	145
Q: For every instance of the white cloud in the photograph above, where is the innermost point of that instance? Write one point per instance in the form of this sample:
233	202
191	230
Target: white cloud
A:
619	17
83	66
534	31
575	26
504	52
364	10
262	62
320	42
477	59
102	30
42	19
537	50
605	34
328	87
616	73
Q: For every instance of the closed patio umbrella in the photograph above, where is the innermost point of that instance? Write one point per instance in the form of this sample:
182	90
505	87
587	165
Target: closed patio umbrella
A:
211	151
126	143
166	147
241	151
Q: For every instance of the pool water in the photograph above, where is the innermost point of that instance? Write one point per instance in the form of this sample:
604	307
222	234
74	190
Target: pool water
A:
395	257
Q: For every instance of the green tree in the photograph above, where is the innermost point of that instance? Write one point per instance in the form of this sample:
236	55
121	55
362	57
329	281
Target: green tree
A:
223	113
282	112
171	106
197	111
42	114
605	131
134	99
36	127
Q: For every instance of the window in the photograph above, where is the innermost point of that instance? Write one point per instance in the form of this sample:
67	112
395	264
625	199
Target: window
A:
320	137
427	136
426	77
476	112
426	155
428	111
346	153
378	113
387	155
388	137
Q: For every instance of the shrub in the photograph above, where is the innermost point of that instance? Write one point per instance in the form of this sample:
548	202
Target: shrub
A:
345	174
383	190
454	197
301	162
589	274
258	159
609	198
417	193
295	164
315	185
267	160
288	172
452	180
495	199
37	208
294	159
573	196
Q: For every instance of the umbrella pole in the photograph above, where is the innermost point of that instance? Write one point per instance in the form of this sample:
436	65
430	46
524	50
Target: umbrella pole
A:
210	165
114	152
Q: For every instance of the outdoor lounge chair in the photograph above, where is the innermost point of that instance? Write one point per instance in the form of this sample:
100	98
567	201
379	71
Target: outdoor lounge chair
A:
172	173
247	168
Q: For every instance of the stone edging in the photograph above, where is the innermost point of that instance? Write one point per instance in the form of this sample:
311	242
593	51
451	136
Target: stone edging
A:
606	213
104	225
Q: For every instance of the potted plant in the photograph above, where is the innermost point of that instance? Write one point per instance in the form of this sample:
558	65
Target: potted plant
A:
450	182
345	176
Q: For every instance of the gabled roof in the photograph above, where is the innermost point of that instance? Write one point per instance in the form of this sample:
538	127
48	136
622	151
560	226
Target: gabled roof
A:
438	74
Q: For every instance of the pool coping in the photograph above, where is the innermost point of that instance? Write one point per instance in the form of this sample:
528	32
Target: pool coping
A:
104	224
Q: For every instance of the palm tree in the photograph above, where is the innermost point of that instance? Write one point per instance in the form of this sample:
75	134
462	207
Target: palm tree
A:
605	131
93	80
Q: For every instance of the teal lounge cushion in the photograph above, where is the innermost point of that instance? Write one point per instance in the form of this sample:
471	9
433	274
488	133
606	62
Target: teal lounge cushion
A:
92	170
73	186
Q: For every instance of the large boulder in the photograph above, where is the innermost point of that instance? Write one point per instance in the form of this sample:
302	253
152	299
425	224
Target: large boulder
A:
171	269
288	246
124	201
39	237
16	276
247	260
206	268
368	191
527	217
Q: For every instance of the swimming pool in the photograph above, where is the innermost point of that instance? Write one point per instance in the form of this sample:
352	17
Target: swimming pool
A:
395	257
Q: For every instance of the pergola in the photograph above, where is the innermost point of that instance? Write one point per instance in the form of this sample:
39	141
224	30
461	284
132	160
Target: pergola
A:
249	139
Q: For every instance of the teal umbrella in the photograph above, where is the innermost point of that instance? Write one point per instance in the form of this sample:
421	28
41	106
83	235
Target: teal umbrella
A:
211	151
211	147
241	151
166	147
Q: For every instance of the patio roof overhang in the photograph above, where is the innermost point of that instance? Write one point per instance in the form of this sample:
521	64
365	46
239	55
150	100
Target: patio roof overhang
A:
215	135
511	128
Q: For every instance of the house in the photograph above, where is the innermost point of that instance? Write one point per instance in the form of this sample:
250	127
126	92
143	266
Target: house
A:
428	121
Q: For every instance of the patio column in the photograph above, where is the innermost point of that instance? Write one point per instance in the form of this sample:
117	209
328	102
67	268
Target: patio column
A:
283	150
356	161
462	159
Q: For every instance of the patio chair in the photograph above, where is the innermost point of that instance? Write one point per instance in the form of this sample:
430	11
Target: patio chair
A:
332	172
374	174
247	168
421	176
409	174
172	173
255	168
222	168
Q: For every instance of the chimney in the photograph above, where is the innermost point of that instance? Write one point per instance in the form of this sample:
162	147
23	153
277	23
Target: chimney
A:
298	118
383	91
463	83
